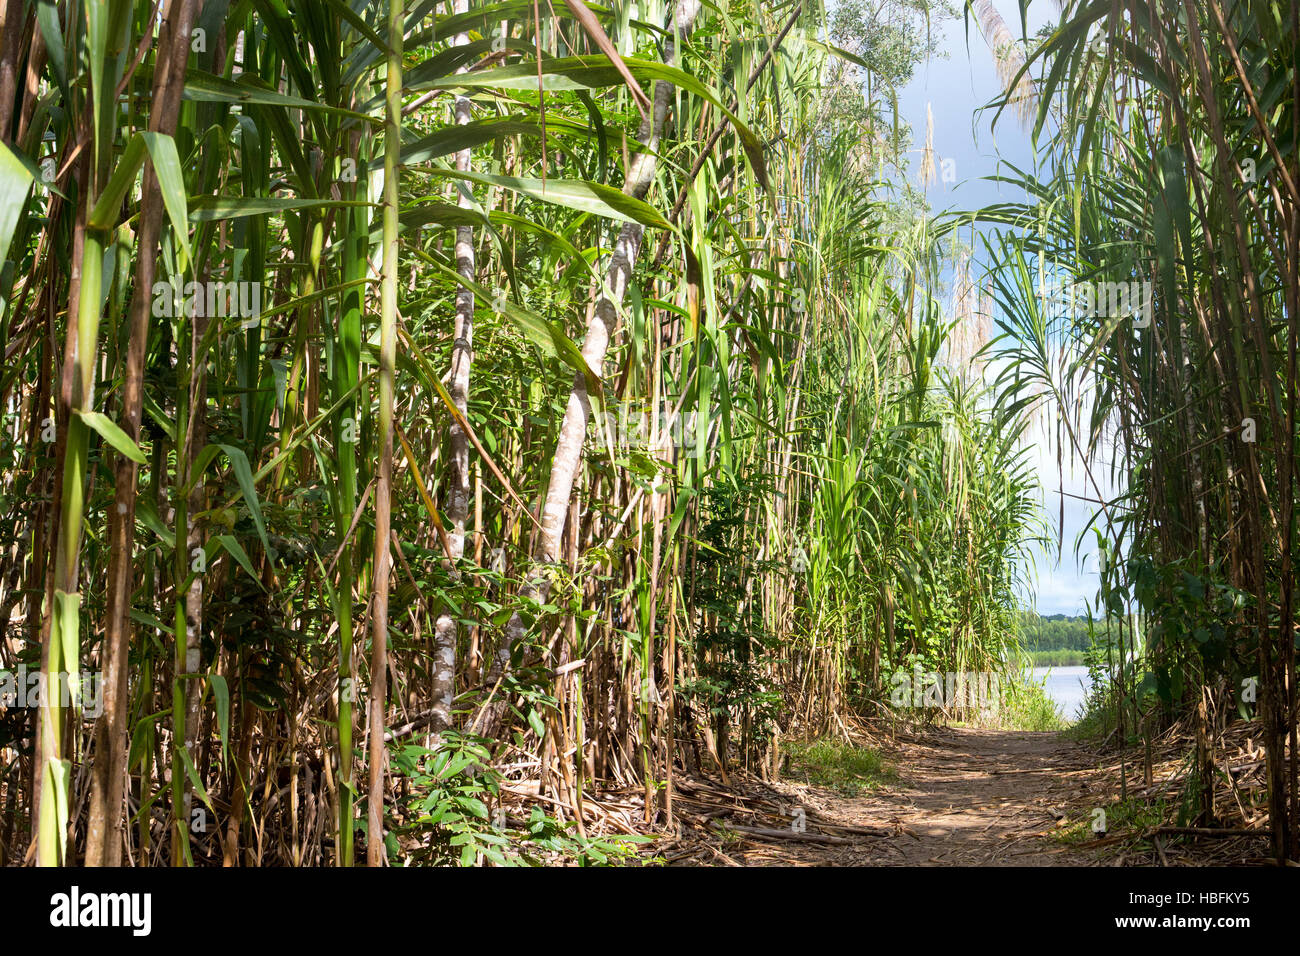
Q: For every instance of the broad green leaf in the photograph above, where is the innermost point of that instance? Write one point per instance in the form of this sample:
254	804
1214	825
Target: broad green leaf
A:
236	551
221	695
213	208
142	739
452	139
15	182
195	780
109	205
146	512
207	88
171	183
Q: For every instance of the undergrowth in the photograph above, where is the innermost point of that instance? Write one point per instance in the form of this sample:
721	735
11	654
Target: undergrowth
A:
1132	815
451	815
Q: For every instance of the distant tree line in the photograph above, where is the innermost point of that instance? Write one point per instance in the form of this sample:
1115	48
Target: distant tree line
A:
1054	632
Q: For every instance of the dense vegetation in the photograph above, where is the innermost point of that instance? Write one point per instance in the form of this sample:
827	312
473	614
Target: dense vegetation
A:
582	430
413	402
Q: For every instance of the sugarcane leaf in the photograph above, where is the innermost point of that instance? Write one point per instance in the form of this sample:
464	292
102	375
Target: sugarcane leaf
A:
214	208
236	551
171	183
204	87
584	15
146	512
573	194
244	475
107	207
141	739
195	781
452	139
590	73
47	18
221	696
111	433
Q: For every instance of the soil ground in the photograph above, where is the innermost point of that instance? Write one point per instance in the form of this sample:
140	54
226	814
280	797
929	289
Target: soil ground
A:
961	797
967	797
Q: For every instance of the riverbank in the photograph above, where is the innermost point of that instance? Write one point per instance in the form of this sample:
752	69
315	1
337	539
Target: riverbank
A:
1065	686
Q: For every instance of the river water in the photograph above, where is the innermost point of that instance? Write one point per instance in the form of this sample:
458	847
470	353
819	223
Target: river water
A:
1066	686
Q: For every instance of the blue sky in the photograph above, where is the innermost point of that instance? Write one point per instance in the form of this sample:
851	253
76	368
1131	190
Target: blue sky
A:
955	88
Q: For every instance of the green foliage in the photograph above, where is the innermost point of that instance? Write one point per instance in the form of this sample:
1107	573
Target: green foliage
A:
850	499
446	803
445	816
1097	716
733	644
1199	629
1122	816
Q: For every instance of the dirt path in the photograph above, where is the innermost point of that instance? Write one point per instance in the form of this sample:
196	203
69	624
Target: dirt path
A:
962	798
980	798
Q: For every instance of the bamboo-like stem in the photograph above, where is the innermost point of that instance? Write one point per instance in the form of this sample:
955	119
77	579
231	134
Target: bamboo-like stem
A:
375	846
601	321
446	630
104	836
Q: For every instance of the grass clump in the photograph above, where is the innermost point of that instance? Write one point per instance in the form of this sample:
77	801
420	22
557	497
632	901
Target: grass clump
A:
836	765
1098	717
1131	815
1026	706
